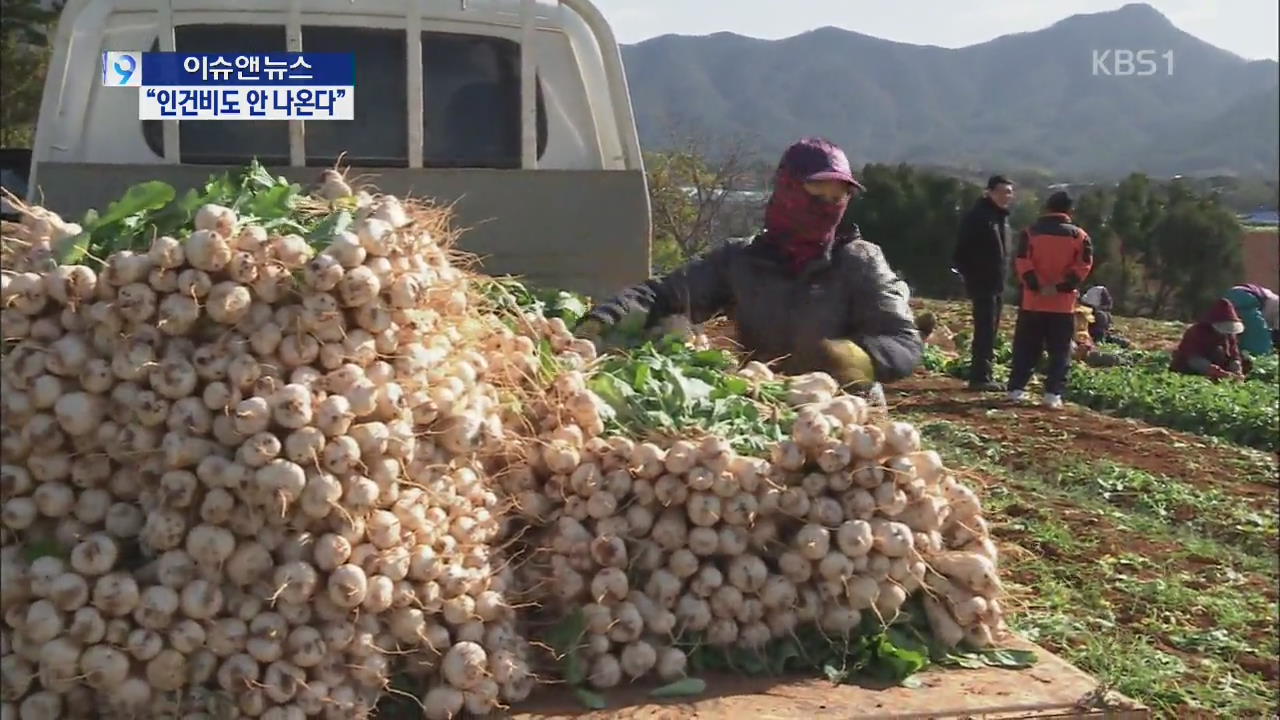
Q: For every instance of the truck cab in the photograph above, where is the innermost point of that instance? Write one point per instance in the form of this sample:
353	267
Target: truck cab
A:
15	165
516	112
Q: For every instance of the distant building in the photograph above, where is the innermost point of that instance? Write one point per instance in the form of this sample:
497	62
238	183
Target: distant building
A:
734	196
1262	254
1075	188
1261	217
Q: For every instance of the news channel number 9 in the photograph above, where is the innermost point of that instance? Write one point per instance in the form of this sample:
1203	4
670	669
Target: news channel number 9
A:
122	69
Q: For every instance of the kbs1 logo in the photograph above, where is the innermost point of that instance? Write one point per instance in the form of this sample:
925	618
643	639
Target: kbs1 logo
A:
1132	63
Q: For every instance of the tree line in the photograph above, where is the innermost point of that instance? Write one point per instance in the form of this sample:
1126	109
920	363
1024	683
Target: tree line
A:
1164	248
26	27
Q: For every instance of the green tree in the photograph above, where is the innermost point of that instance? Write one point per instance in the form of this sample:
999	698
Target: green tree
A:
26	27
1134	213
1093	214
1027	207
913	215
691	193
1196	253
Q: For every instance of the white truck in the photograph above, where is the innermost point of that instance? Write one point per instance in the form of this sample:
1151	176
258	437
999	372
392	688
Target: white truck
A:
517	111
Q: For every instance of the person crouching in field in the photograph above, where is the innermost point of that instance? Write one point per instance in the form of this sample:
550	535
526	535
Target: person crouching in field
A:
1054	258
1101	329
798	292
1211	347
1259	310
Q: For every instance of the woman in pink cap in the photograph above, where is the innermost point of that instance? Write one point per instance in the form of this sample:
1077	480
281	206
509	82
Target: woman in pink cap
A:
796	292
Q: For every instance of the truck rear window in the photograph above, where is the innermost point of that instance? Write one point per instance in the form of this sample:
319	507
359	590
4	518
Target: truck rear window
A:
477	124
471	85
379	134
220	142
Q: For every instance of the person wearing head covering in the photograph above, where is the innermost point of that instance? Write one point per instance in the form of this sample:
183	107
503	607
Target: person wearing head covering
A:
1259	310
798	292
981	258
1098	299
1211	347
1054	258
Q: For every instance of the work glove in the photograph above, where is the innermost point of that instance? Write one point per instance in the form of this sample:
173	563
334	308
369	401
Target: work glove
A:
605	335
848	363
590	329
676	325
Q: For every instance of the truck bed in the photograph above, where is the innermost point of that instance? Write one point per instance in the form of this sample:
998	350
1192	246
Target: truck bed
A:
1051	689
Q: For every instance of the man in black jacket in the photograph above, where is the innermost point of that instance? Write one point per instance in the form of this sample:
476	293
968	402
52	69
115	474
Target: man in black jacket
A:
980	257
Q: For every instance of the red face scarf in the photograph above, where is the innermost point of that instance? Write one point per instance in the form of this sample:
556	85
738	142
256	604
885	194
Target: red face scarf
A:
802	225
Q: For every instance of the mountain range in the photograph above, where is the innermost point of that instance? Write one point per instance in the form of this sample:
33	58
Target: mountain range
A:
1056	100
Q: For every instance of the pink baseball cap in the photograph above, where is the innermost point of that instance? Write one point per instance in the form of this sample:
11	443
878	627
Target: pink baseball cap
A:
818	159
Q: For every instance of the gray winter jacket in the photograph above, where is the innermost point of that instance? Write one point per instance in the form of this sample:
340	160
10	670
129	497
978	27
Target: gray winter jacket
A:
850	293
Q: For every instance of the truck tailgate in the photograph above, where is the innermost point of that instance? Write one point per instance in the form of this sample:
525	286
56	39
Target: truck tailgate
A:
1051	689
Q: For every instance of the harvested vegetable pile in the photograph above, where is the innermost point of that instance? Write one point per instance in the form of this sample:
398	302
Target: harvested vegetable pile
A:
237	471
657	549
276	456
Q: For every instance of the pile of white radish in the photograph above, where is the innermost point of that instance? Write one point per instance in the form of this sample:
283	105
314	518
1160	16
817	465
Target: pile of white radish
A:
681	542
31	246
245	479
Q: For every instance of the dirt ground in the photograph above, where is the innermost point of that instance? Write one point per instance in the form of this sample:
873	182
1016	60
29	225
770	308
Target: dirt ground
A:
1144	333
1051	687
1157	450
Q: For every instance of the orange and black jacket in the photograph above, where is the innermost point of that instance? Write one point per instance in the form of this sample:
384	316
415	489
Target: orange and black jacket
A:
1053	252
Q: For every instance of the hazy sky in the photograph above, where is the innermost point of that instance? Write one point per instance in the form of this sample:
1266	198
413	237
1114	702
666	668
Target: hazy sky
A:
1245	27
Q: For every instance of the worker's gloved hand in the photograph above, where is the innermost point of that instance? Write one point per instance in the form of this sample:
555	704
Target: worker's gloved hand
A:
674	325
589	329
1217	373
848	363
606	335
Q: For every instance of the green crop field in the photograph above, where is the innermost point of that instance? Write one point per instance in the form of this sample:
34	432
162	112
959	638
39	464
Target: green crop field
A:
1139	524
